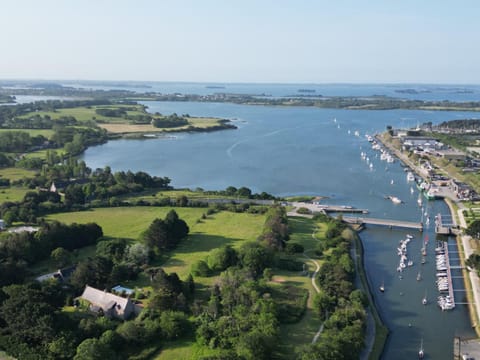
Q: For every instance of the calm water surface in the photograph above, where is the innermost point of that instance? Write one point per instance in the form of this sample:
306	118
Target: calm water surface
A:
295	151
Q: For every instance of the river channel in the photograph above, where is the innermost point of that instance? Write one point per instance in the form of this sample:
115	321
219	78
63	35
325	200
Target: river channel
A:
300	151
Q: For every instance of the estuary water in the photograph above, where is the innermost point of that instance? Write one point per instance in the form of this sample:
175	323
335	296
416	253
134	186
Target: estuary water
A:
310	151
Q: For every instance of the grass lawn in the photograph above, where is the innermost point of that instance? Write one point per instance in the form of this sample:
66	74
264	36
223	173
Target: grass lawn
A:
152	195
42	154
186	349
12	193
13	173
224	228
32	132
84	113
127	222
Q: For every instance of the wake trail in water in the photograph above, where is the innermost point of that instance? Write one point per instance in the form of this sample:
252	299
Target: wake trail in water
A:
233	146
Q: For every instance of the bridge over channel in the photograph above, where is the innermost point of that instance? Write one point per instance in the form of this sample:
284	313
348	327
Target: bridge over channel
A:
383	222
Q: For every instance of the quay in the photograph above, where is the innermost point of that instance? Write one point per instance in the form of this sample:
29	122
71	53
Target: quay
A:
383	222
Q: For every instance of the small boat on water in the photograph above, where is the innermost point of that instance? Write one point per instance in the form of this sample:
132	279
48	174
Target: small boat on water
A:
424	300
394	199
410	176
382	287
411	190
423	260
421	352
419	276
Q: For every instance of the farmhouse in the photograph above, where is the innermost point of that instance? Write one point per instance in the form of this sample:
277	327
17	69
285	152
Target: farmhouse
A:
110	305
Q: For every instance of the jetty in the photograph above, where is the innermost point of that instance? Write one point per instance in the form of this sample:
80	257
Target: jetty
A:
383	222
440	227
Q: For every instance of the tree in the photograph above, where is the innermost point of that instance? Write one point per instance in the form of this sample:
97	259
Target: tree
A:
61	257
93	349
222	258
28	315
112	249
474	229
255	257
156	237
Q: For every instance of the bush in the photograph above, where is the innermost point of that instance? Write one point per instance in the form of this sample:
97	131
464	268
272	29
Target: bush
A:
293	248
289	264
200	268
303	211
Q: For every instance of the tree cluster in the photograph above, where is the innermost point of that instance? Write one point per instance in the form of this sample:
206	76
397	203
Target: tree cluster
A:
169	121
165	234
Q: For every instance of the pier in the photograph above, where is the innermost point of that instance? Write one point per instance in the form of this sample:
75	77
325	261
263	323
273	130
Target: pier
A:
341	209
384	222
440	227
451	293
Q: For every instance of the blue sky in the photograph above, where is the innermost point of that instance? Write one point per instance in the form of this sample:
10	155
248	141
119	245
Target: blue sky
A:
394	41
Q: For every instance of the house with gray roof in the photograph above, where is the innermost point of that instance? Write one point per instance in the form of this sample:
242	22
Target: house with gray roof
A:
109	304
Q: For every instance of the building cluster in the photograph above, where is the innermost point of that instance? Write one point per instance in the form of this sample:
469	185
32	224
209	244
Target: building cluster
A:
427	147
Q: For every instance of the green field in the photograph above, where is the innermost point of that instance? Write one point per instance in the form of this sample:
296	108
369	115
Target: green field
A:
32	132
14	174
12	194
206	234
126	222
152	195
84	113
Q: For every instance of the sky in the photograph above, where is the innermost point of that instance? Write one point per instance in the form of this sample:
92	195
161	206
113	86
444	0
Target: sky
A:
282	41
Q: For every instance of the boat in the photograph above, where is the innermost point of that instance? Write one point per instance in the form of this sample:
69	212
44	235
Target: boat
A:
423	260
410	176
424	300
411	190
431	194
421	352
395	199
391	182
410	263
419	276
382	287
424	251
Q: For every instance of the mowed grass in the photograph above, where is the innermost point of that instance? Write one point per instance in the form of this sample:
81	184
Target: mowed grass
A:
302	332
32	132
126	222
84	113
185	349
14	174
224	228
152	195
42	154
12	193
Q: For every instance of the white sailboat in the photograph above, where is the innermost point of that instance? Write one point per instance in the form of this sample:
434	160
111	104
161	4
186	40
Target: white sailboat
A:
424	300
421	352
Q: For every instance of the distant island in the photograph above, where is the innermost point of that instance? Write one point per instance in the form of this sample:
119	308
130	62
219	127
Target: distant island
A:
373	102
215	87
